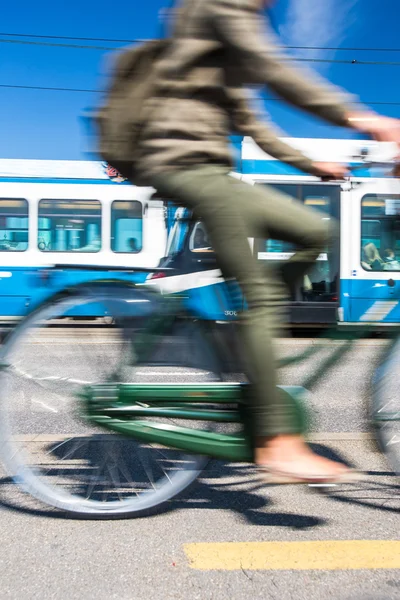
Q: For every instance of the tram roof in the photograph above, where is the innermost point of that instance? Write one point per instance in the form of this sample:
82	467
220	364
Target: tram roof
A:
253	159
326	150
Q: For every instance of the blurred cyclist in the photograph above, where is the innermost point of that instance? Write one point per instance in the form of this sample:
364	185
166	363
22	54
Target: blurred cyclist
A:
217	47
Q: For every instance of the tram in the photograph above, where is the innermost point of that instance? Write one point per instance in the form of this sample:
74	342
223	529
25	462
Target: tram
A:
83	213
75	213
355	282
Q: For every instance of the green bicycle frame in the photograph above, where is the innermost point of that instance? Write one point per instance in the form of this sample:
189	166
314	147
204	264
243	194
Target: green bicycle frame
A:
127	408
120	407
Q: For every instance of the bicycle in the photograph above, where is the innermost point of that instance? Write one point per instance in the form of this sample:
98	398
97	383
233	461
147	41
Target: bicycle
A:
156	436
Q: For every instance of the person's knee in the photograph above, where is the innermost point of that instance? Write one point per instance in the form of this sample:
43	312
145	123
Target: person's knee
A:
318	238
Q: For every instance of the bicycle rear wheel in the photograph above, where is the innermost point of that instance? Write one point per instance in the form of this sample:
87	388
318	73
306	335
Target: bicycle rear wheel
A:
386	406
66	461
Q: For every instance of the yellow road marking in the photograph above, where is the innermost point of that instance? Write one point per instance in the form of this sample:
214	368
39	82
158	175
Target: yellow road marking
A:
326	556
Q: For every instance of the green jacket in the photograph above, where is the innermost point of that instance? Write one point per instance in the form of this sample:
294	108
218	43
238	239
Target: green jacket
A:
219	47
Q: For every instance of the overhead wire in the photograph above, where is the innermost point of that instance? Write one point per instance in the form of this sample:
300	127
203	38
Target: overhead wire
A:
51	89
93	91
54	45
67	37
114	40
130	41
353	61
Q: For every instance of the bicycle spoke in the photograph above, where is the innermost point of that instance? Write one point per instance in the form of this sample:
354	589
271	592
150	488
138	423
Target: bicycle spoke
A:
66	460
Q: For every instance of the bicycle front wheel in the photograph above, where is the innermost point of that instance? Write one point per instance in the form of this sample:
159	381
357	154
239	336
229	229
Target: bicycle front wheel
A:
386	406
66	461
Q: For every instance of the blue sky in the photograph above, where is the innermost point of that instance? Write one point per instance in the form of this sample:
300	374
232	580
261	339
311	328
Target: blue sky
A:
45	124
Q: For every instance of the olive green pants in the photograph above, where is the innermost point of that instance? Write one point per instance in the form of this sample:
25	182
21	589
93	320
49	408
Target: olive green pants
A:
232	212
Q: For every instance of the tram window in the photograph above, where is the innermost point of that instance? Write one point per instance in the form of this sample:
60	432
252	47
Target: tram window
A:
176	237
69	225
276	249
321	280
380	232
13	225
199	241
318	202
371	232
126	226
314	196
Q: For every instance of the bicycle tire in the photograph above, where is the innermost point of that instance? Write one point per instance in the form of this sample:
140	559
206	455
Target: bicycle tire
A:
47	486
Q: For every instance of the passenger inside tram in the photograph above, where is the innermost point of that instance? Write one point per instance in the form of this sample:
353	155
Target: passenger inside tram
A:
371	260
200	240
133	245
391	262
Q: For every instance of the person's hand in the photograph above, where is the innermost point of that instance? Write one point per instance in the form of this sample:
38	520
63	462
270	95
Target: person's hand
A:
385	129
382	129
331	171
396	170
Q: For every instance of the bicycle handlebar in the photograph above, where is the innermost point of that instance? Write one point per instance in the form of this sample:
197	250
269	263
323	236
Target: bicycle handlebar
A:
390	164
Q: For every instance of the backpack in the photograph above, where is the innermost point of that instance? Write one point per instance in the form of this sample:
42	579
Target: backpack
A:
120	119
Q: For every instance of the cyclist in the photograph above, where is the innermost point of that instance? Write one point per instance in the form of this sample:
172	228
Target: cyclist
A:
218	47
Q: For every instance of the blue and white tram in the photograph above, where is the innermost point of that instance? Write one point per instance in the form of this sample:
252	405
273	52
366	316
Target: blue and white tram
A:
70	212
358	281
77	212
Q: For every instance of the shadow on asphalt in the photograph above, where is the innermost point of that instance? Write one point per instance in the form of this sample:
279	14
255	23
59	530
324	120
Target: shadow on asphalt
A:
366	493
212	495
246	502
8	489
239	495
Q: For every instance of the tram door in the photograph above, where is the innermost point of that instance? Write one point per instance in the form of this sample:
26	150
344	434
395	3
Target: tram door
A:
371	266
315	299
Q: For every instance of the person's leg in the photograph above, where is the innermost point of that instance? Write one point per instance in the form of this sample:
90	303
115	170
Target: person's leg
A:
232	212
210	194
268	213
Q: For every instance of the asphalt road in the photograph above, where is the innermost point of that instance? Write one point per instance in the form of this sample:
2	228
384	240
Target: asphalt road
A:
229	536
